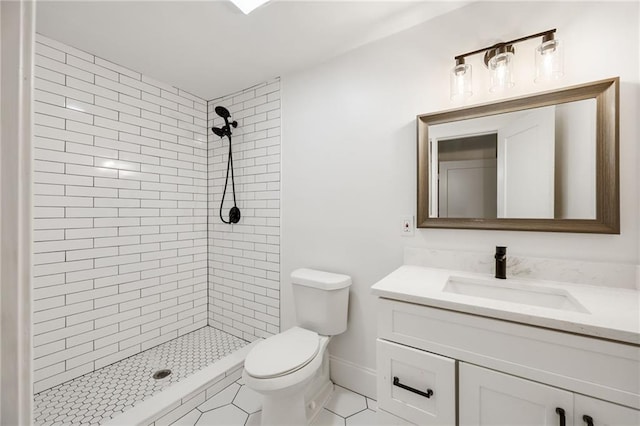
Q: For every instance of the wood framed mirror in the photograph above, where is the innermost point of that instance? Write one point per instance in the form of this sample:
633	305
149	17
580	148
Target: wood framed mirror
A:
543	162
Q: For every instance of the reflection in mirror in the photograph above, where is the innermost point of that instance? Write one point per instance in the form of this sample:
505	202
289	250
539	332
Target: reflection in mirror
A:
542	162
534	163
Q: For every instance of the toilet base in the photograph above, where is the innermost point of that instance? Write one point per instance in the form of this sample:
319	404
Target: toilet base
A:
319	390
298	407
283	410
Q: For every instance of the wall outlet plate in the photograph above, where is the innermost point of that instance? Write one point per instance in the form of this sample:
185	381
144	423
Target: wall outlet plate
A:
407	227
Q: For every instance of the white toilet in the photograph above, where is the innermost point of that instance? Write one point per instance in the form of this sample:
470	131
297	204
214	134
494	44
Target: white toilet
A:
291	369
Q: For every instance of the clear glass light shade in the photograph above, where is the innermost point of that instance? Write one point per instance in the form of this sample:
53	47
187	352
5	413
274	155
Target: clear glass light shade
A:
549	61
461	82
501	71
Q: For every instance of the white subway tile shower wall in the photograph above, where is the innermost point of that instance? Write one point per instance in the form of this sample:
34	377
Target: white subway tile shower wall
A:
120	223
244	262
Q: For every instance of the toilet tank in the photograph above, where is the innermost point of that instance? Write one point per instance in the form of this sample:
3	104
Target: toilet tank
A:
321	300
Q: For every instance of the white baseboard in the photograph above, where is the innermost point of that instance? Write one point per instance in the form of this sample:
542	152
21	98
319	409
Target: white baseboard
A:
353	377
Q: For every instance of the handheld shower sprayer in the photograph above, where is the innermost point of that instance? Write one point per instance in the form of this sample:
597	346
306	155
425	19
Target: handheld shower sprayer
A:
226	129
234	213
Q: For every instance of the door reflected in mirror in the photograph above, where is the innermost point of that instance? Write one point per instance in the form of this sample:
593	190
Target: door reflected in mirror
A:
535	163
542	162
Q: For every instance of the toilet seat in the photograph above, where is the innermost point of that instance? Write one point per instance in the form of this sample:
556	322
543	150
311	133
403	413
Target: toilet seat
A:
282	354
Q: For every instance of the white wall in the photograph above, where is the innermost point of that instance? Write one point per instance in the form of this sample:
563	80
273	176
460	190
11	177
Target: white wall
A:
244	258
349	146
120	201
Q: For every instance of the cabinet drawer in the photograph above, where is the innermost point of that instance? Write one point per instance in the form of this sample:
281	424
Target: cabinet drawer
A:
433	375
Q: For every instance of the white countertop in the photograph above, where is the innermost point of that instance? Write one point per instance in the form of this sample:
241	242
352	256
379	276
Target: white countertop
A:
612	313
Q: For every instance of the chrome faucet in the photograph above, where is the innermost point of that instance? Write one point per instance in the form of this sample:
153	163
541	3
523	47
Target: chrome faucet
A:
501	262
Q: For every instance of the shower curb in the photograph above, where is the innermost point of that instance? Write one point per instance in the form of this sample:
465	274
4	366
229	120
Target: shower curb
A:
177	400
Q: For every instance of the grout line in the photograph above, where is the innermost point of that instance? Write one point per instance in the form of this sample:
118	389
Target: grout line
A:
357	412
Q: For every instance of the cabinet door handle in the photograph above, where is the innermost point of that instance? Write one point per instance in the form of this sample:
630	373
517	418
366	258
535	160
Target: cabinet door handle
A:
588	420
427	394
563	420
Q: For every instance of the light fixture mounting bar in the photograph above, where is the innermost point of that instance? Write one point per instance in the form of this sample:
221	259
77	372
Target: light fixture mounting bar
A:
507	43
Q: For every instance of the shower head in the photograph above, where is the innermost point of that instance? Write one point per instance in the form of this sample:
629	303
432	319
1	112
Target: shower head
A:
222	112
218	131
226	129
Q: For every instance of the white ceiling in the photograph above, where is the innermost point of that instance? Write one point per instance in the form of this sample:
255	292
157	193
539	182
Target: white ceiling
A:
211	49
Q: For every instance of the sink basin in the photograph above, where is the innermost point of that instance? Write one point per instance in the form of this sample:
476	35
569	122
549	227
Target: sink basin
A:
514	292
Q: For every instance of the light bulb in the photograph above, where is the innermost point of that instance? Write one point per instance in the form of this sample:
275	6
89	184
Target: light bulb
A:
501	71
460	80
549	60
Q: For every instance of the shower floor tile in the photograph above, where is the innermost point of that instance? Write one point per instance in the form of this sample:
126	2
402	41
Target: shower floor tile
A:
237	405
103	394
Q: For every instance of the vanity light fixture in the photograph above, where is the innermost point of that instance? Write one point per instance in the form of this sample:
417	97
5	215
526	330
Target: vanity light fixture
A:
499	60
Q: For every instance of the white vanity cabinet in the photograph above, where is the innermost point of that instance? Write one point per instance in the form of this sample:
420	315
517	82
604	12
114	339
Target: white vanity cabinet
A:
483	371
488	397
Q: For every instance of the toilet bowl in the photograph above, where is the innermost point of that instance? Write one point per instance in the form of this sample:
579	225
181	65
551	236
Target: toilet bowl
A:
291	369
281	368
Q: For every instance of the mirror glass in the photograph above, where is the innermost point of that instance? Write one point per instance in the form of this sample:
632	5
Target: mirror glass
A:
543	162
534	163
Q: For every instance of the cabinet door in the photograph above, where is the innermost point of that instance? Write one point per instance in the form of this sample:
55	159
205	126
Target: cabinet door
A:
489	398
415	385
603	413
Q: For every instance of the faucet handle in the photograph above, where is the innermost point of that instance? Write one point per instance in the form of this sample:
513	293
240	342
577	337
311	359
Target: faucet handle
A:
501	262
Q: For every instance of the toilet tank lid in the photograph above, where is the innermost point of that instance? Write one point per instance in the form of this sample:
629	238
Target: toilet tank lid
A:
320	279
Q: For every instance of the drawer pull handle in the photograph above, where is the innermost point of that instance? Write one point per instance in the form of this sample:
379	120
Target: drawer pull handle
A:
427	394
588	420
563	420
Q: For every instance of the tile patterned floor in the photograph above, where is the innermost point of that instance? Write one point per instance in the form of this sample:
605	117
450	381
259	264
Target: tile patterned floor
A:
237	405
98	396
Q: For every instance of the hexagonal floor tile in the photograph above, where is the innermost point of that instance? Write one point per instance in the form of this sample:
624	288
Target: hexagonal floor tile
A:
227	415
345	403
327	418
223	397
248	399
365	418
254	419
372	404
189	419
